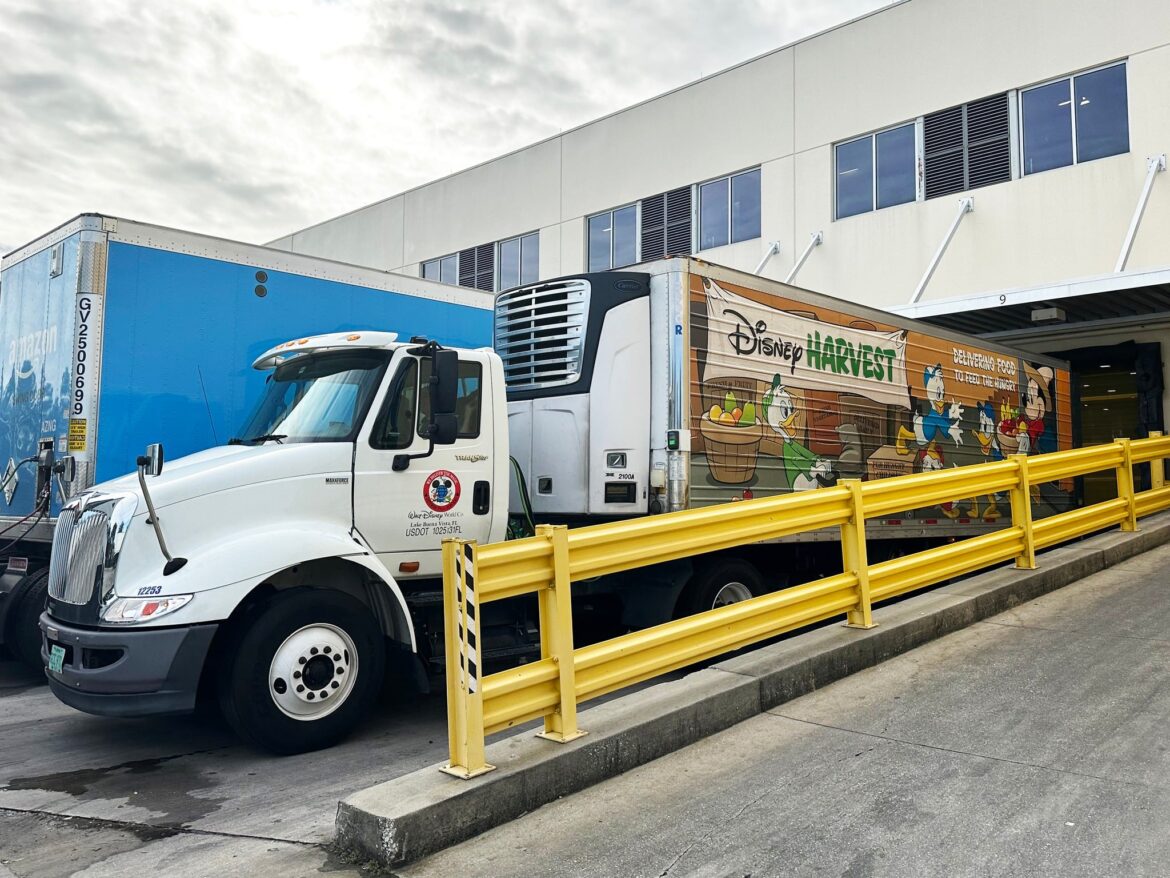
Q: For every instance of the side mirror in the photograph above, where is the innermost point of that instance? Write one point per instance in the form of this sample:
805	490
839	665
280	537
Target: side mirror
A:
444	428
151	463
444	382
66	469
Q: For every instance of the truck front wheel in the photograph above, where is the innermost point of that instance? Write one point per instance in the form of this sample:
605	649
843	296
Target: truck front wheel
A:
304	671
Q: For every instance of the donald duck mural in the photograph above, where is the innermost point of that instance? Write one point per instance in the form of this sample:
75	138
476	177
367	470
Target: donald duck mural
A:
939	423
804	468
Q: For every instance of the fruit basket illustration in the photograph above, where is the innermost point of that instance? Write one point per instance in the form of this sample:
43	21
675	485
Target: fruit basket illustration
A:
731	436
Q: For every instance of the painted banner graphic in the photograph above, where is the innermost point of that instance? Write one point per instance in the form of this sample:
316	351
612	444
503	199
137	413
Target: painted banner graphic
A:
747	337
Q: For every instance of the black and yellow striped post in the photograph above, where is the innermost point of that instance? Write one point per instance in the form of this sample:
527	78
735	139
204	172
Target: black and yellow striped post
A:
465	733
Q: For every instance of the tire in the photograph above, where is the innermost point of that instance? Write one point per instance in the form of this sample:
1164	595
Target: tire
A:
718	583
24	630
298	644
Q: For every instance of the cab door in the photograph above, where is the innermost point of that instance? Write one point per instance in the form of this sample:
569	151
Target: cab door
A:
406	513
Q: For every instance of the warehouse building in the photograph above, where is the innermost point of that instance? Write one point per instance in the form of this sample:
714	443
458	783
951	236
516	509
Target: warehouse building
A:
996	167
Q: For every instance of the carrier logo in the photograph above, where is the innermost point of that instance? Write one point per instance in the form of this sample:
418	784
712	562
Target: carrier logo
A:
31	348
441	490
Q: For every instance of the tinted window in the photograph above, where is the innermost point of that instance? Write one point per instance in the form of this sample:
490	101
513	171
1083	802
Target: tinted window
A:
395	425
1102	113
625	236
1047	124
529	258
430	270
854	177
509	264
896	169
449	270
467	400
745	206
600	231
713	216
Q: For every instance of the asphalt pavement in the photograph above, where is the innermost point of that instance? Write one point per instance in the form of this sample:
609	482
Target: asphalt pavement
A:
1033	743
180	796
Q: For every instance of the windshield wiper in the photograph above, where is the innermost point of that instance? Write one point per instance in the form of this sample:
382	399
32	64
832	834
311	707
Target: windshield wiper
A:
257	440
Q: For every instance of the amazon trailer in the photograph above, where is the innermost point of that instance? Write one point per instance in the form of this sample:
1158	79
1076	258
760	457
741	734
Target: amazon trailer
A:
117	333
682	384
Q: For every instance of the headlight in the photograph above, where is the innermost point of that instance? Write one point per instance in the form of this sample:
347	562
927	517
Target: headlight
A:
128	611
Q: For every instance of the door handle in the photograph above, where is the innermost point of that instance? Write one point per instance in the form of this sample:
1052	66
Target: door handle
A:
481	498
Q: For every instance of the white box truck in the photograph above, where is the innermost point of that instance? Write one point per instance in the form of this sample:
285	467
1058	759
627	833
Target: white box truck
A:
281	573
114	333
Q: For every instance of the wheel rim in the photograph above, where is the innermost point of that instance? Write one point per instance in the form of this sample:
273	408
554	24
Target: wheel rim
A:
313	672
731	593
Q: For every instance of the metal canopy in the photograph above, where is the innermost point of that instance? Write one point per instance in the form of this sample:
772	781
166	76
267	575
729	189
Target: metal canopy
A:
1117	298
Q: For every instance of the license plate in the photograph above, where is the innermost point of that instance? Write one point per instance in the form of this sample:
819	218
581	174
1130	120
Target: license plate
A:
56	658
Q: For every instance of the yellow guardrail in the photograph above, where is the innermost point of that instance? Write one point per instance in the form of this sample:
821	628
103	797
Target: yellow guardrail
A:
547	563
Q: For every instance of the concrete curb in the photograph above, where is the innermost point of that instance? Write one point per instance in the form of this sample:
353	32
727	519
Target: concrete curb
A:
407	818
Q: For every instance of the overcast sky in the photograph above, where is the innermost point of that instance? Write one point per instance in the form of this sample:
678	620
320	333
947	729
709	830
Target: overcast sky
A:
249	119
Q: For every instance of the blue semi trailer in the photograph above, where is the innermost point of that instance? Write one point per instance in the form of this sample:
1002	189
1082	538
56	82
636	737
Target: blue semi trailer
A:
115	334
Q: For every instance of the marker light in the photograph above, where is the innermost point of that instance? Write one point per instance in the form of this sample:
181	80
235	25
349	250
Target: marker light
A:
130	611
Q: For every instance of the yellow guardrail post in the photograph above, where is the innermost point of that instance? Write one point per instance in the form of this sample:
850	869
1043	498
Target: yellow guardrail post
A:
1125	485
1021	494
1157	466
465	736
556	637
854	558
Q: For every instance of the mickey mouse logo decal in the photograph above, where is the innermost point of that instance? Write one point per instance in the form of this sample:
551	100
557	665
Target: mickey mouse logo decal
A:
441	490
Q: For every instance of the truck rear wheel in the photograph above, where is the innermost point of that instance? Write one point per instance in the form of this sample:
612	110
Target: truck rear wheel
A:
718	583
24	631
304	673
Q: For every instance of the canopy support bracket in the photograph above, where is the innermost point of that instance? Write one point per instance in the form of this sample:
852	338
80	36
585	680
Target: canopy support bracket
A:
1156	165
966	205
816	240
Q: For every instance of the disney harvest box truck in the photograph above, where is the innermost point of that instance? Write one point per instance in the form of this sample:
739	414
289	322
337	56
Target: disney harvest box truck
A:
281	573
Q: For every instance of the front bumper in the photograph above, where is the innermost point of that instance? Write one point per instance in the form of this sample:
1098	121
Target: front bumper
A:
127	671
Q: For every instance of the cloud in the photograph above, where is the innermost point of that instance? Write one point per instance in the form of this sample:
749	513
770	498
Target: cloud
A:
249	119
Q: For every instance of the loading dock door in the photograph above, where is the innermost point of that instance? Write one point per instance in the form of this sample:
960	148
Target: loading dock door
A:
1117	393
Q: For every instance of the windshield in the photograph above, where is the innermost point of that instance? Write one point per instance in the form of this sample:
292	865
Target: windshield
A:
316	398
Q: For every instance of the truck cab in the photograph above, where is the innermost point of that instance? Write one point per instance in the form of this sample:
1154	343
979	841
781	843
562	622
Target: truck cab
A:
373	450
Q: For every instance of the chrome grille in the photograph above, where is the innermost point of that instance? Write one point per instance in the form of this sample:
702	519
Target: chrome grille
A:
72	573
540	333
59	559
88	537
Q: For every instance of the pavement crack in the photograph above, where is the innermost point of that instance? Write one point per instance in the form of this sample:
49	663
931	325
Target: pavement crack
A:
1081	630
708	835
150	831
1003	759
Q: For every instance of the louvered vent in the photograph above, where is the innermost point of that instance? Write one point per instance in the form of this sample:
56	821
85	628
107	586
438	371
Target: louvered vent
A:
654	226
942	140
477	267
540	333
989	152
678	222
666	224
966	147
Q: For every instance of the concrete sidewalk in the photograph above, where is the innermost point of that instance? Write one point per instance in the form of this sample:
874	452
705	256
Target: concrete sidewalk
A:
1036	742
